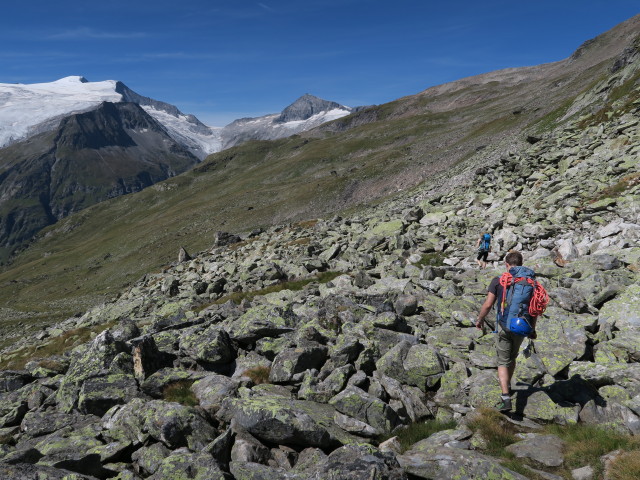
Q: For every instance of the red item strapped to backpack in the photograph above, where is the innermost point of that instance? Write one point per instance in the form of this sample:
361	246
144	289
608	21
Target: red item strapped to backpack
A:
539	299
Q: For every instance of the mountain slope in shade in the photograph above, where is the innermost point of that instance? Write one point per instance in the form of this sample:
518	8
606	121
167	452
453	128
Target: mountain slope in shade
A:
92	156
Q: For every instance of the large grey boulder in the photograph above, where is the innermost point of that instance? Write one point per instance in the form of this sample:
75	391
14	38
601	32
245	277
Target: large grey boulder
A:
211	346
212	390
545	450
445	463
193	465
356	463
285	421
358	404
290	362
419	365
170	423
97	395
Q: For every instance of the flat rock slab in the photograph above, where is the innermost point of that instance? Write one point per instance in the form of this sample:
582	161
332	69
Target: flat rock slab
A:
447	463
544	449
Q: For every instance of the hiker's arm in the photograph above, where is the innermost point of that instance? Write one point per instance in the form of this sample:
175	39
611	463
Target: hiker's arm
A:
485	309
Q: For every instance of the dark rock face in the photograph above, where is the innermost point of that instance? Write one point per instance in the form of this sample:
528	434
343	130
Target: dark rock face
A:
305	107
93	156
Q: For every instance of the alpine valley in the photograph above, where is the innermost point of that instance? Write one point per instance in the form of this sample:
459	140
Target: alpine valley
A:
295	296
70	144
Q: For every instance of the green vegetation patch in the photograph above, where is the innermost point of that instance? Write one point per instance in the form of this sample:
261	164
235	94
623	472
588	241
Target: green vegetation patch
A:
180	392
433	259
258	375
584	445
415	432
54	346
294	285
618	189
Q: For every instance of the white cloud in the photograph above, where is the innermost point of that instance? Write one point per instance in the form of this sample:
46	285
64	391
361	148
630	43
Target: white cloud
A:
85	32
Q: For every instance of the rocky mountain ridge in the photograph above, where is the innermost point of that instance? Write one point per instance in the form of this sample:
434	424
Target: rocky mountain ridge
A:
93	156
374	332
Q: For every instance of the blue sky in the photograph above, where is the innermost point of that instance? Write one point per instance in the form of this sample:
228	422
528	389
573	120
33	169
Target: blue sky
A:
223	60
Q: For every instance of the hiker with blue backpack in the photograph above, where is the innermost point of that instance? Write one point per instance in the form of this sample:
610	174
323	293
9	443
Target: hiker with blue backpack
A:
519	300
484	247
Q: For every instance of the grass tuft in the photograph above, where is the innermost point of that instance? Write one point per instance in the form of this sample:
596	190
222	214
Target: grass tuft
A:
52	347
433	259
495	430
180	392
258	375
294	285
585	444
415	432
625	466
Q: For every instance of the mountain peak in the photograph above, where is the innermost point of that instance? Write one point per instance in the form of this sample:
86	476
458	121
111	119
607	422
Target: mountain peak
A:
305	107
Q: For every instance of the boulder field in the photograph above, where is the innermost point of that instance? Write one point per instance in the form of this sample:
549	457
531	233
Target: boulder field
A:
298	348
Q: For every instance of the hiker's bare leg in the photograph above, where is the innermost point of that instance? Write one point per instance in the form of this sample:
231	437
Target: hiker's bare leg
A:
504	377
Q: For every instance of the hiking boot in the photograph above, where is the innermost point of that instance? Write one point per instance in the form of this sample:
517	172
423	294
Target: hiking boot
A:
504	405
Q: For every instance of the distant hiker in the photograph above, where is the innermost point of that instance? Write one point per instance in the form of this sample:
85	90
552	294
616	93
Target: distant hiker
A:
484	247
519	301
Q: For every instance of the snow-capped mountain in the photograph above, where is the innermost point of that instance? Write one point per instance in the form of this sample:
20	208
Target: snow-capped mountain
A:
304	114
26	110
29	109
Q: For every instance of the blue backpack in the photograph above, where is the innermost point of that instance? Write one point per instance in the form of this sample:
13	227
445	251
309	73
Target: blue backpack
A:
485	243
518	287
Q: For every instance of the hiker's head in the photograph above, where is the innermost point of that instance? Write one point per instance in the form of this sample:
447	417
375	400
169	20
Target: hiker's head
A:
513	259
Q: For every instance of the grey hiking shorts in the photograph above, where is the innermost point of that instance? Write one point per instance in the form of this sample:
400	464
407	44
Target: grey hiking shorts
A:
507	346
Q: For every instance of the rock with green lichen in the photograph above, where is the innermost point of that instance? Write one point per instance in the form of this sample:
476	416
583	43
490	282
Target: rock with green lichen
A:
290	362
97	395
170	423
286	422
185	465
448	463
211	345
259	322
358	404
148	459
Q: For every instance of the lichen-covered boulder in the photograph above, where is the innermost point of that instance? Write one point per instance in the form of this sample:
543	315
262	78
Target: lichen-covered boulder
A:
545	450
446	463
38	423
26	471
358	404
170	423
88	361
212	390
285	421
147	460
185	465
355	462
211	346
259	322
419	365
624	310
97	395
293	361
